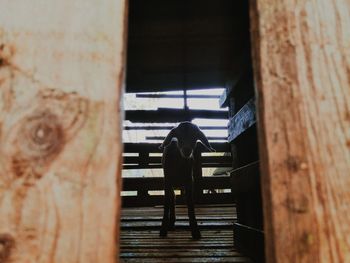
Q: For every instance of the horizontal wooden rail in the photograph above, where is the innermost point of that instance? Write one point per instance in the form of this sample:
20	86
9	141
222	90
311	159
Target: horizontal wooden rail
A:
159	166
177	96
210	138
142	185
157	159
170	127
154	200
154	147
172	115
157	183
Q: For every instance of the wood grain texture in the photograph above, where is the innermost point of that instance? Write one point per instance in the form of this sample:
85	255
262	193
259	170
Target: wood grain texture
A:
61	73
302	70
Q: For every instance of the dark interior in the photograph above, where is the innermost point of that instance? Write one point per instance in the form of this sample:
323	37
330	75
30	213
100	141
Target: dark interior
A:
177	44
186	45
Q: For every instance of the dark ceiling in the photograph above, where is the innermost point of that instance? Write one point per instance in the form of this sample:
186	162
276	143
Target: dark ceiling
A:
192	44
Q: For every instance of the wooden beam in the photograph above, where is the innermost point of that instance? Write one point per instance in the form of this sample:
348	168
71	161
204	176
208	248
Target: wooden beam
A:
157	183
159	166
172	115
61	73
154	147
154	200
213	160
175	96
127	128
242	121
302	62
161	138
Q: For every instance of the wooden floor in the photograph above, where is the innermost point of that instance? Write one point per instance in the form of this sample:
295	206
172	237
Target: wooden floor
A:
140	241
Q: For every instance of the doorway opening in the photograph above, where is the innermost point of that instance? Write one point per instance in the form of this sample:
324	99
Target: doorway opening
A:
190	60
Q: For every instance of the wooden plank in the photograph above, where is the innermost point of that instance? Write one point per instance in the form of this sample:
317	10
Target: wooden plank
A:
143	243
206	210
157	183
185	254
143	238
135	201
302	61
172	115
242	121
181	245
175	96
210	138
185	242
61	73
184	234
194	260
154	147
144	160
159	166
127	128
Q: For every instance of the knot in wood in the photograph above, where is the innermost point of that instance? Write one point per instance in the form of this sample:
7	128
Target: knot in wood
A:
6	52
41	136
7	243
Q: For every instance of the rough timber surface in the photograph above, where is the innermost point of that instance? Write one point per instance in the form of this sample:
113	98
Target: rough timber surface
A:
61	77
302	75
140	241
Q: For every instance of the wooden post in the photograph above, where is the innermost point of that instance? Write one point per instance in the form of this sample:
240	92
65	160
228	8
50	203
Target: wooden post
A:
302	73
61	73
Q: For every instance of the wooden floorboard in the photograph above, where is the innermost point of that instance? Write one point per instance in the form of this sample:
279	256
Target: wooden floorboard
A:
140	241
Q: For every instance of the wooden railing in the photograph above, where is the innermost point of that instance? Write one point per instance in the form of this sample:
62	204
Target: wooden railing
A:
209	190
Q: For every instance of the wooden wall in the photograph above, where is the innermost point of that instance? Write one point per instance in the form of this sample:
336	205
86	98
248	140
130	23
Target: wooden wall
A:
61	73
302	71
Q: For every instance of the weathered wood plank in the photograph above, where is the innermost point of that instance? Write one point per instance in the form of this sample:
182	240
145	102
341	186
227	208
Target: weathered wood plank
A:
154	147
184	254
207	233
172	115
194	260
145	160
179	224
302	65
159	166
210	138
157	183
175	96
135	201
242	121
146	245
61	72
170	127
